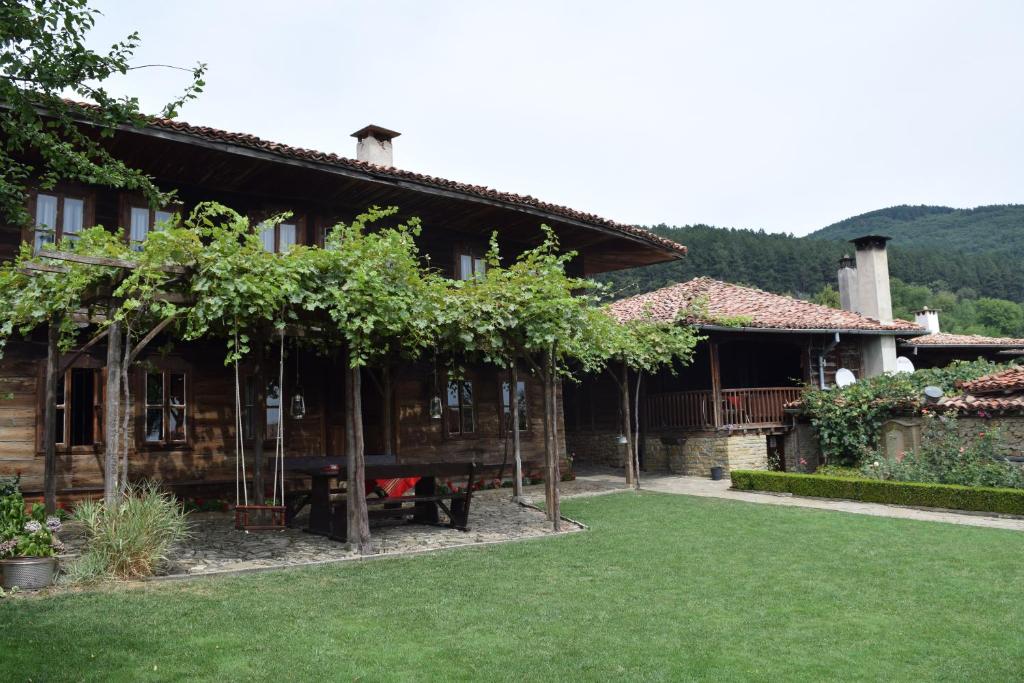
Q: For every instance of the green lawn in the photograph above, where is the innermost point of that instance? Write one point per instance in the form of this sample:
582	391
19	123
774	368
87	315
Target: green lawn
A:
661	588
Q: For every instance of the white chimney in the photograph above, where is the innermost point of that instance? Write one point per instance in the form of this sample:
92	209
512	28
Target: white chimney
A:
928	318
373	145
875	301
848	284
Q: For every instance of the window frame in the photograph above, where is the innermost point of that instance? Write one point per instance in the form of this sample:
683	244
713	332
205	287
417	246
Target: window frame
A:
461	408
99	391
165	406
298	220
62	191
250	410
506	408
476	260
129	203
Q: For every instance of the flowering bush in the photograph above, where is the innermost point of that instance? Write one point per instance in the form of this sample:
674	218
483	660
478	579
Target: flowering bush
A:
848	420
947	457
25	533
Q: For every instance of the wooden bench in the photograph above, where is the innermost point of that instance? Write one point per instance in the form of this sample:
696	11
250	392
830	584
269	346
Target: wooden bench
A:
423	506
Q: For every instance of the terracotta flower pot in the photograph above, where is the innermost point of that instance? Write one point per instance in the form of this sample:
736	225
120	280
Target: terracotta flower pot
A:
28	573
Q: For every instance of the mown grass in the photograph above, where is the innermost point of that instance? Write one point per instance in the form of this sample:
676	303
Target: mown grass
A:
661	588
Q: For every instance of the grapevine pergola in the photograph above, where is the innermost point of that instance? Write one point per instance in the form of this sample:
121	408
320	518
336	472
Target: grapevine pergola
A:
366	295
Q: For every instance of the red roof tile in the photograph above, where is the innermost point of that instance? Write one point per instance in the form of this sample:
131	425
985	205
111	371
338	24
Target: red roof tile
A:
1005	381
763	309
330	159
969	404
943	339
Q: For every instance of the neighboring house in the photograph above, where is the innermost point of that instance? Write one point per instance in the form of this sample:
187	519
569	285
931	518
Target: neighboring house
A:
727	407
938	349
184	431
994	401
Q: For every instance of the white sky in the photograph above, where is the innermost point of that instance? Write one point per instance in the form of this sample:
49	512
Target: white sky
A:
779	115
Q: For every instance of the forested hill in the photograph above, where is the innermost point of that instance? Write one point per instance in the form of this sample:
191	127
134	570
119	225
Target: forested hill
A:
802	266
998	228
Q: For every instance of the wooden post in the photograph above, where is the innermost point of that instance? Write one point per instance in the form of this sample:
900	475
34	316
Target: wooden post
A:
716	385
355	494
551	480
388	396
513	397
627	425
50	416
128	432
112	414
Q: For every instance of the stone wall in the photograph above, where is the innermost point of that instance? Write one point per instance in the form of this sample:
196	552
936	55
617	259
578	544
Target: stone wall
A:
803	452
595	448
903	434
695	455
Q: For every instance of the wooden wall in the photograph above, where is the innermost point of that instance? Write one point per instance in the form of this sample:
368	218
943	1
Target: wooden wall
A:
209	454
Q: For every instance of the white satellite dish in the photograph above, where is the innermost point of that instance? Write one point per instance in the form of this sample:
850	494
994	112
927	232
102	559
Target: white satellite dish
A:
844	377
903	364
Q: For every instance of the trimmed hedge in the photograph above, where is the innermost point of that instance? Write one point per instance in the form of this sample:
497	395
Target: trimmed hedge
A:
975	498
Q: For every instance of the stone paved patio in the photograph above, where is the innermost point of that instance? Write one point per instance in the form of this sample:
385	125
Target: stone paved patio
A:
217	547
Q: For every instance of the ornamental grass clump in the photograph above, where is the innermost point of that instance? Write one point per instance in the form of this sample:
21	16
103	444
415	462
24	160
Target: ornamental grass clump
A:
130	539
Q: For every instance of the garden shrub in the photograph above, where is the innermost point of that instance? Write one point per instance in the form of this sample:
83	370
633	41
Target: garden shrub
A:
950	496
848	420
947	457
131	538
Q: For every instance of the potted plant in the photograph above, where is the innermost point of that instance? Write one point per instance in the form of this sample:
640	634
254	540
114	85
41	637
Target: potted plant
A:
28	541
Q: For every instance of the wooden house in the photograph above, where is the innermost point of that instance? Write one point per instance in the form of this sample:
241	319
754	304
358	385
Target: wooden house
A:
728	408
184	430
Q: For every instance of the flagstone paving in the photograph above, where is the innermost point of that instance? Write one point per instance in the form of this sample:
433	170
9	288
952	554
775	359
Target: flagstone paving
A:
215	545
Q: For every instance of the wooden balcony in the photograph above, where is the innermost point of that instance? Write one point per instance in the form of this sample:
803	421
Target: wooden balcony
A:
754	408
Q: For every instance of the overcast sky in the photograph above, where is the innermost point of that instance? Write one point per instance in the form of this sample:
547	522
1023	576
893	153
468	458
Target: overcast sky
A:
785	116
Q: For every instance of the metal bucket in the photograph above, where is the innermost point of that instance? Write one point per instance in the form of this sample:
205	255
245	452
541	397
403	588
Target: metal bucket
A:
28	573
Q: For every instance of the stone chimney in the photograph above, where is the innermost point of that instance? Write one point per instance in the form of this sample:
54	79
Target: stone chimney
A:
373	145
848	283
928	318
875	301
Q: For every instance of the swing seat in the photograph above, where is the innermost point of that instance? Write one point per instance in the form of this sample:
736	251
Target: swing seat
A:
260	517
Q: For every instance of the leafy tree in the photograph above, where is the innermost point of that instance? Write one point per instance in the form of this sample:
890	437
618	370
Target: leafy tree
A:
380	304
827	296
46	138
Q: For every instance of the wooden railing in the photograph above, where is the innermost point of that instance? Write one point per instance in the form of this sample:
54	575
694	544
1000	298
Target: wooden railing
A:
740	408
680	409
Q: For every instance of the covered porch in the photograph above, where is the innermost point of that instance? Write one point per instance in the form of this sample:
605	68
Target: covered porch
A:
733	384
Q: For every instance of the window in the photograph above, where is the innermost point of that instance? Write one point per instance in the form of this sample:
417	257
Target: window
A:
278	238
461	418
166	407
250	412
471	266
57	217
524	422
78	406
142	220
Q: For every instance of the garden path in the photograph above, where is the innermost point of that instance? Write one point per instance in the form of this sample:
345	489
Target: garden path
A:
592	480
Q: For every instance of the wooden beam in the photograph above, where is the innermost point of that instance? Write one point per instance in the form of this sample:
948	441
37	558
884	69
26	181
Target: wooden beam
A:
103	261
148	338
68	362
174	298
33	268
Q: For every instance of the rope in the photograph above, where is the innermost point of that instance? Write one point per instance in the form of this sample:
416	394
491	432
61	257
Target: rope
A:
279	441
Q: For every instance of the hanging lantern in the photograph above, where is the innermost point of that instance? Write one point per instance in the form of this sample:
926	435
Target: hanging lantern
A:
298	406
435	408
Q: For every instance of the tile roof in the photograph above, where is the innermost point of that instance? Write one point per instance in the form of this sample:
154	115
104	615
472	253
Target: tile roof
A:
989	404
763	309
1003	382
944	339
330	159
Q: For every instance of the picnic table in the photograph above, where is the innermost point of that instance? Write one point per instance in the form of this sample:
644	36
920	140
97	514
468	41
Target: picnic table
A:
426	502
